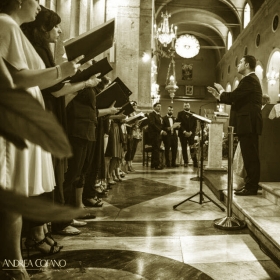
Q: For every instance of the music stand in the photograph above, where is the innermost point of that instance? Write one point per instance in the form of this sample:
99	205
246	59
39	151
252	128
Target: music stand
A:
200	193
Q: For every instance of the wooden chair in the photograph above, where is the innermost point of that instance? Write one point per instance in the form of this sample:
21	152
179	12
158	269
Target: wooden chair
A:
146	148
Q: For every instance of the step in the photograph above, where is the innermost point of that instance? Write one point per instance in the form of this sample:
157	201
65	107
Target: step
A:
271	191
261	212
217	181
263	220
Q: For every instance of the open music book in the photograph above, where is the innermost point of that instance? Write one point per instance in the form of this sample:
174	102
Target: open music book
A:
123	86
102	66
138	117
221	114
176	124
112	93
126	109
91	43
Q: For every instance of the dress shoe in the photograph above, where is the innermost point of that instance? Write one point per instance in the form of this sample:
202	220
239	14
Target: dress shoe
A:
186	165
175	165
245	192
238	189
168	165
195	165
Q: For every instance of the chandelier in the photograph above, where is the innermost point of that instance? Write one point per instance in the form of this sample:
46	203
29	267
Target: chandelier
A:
187	46
272	77
171	84
164	33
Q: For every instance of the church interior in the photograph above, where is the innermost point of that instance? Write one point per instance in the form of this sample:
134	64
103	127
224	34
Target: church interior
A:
170	51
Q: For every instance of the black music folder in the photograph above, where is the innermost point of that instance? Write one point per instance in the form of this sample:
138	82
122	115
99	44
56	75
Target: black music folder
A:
112	93
92	42
126	109
102	66
123	86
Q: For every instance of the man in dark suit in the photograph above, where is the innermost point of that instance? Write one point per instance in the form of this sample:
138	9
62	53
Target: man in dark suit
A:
246	118
171	139
155	131
186	134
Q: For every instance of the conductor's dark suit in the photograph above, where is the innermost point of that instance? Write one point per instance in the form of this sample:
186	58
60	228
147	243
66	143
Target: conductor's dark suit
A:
188	123
246	117
154	132
170	140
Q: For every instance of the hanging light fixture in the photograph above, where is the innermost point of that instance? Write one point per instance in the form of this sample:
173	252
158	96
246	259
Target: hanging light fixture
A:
171	84
164	33
187	46
154	86
272	77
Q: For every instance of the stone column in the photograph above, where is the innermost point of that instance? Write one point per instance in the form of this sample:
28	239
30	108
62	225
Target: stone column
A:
215	146
145	45
132	38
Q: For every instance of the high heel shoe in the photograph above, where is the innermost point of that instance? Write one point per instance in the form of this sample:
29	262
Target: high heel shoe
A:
130	168
92	202
51	241
117	179
122	174
39	245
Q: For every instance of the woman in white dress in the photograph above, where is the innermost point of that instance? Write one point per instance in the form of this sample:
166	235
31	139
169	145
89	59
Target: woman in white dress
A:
30	171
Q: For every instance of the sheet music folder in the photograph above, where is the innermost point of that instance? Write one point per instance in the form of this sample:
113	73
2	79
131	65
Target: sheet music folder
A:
102	66
202	118
112	93
199	117
92	42
123	86
126	109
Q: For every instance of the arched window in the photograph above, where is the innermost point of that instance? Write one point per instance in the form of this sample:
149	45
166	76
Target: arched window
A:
235	83
228	87
229	40
247	15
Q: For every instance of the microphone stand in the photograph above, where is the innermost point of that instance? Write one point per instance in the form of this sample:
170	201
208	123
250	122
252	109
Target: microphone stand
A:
198	177
200	193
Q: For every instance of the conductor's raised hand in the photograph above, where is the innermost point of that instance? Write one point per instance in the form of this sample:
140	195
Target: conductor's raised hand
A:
69	68
214	92
218	87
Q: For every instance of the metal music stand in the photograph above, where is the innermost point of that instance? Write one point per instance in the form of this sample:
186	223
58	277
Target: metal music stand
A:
200	193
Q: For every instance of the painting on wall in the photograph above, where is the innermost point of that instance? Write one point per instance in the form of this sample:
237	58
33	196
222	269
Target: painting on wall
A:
187	71
189	90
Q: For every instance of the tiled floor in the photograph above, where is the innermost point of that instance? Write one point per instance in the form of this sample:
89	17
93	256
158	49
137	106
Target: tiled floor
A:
138	235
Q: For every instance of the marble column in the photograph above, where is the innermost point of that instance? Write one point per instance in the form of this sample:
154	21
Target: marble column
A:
132	38
215	146
144	74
